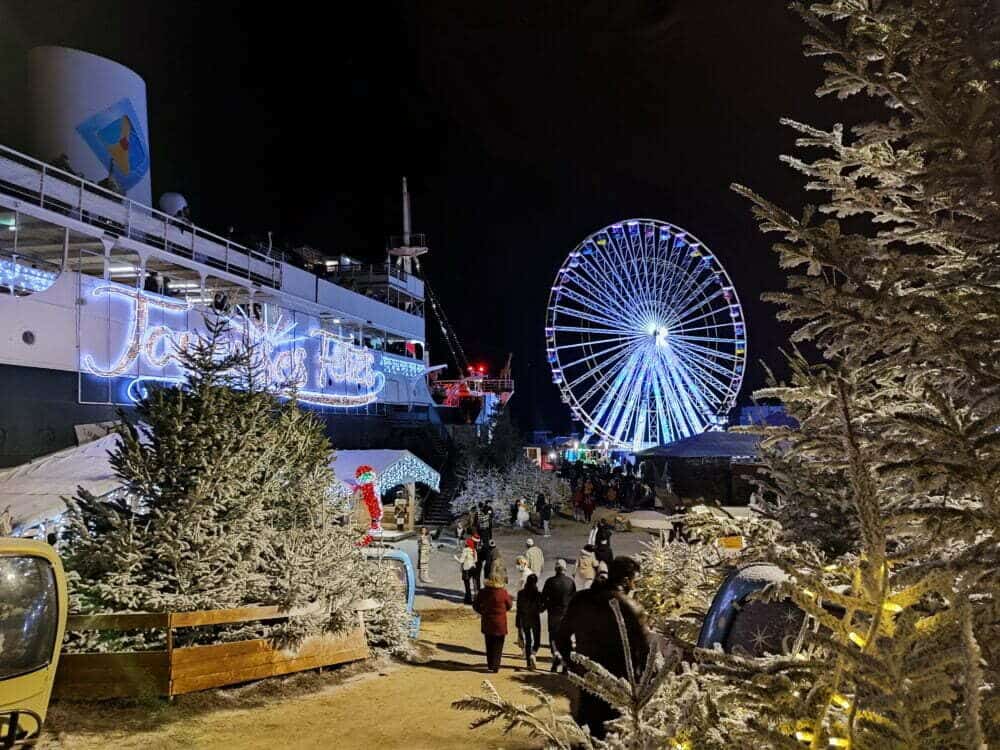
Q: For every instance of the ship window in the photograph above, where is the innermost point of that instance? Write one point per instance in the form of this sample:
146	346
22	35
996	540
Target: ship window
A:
84	254
125	268
31	254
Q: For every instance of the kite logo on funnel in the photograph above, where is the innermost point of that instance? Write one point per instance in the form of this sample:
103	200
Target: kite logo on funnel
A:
116	139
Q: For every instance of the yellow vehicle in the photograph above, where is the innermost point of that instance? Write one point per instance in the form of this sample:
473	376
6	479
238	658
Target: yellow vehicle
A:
33	609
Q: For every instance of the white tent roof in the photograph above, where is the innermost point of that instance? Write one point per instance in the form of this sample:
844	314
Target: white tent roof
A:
34	490
392	467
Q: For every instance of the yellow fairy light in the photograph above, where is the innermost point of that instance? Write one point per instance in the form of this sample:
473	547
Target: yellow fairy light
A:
839	700
808	592
831	568
802	736
685	745
856	639
892	607
839	742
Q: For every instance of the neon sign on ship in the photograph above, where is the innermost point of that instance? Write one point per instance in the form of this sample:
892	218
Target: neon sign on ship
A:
277	349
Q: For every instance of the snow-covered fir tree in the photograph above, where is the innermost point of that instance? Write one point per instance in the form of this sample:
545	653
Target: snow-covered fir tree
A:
227	499
896	281
890	491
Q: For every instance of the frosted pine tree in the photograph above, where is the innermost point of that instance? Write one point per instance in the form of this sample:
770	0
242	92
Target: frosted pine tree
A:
897	282
228	500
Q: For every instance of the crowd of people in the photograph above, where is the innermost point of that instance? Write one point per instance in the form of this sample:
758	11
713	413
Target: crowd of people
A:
580	600
593	486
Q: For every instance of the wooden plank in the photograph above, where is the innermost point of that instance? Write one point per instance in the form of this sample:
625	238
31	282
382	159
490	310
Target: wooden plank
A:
94	691
237	649
239	614
342	653
128	663
213	659
125	621
118	675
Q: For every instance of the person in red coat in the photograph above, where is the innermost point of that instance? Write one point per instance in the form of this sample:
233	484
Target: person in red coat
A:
493	603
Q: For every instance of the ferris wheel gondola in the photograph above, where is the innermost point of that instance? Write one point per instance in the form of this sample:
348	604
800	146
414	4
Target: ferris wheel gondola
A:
645	335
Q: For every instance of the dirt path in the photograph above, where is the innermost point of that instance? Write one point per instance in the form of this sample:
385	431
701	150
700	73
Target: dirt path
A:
400	706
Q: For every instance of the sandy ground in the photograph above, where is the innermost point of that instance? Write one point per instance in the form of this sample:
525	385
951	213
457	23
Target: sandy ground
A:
373	704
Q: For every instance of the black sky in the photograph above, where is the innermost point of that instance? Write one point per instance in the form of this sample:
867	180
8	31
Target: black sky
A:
522	127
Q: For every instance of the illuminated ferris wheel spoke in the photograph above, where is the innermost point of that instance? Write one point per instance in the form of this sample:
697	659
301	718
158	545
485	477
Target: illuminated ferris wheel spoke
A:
611	397
685	303
569	311
599	369
624	279
707	302
708	352
702	361
612	302
595	355
645	335
711	385
598	341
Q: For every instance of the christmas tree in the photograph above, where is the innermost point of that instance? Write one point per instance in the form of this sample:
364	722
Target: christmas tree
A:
895	281
227	500
889	493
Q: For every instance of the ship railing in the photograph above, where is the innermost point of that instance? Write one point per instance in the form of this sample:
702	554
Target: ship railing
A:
478	385
368	271
68	194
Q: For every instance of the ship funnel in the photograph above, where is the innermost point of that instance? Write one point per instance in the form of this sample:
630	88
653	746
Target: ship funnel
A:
88	116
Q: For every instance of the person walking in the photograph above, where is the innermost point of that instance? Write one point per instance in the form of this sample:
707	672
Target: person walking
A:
604	531
424	546
529	618
586	567
494	565
603	552
493	603
466	560
556	596
522	514
591	627
535	557
545	513
484	521
476	543
523	571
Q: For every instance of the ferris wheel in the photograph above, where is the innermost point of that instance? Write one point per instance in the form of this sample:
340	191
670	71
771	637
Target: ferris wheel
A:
645	335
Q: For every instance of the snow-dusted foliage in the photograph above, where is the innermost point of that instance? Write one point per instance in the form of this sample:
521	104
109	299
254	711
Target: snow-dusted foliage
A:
522	479
228	502
895	471
889	493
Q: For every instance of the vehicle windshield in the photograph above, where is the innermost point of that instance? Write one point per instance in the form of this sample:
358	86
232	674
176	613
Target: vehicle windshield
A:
399	568
29	614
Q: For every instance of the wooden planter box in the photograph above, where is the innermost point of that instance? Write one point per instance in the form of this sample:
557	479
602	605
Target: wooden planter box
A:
175	671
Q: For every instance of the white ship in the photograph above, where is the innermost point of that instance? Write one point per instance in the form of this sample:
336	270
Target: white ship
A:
98	291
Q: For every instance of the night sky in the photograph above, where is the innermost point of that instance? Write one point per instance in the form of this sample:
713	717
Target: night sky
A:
522	128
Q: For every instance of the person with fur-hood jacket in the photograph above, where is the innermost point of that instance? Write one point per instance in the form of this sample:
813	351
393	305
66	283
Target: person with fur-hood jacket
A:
586	568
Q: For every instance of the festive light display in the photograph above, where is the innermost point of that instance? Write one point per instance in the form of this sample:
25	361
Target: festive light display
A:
24	275
370	494
281	355
645	335
408	469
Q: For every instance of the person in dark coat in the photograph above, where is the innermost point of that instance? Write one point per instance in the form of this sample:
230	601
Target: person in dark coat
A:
529	618
590	627
556	595
603	553
604	531
486	553
544	513
493	603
